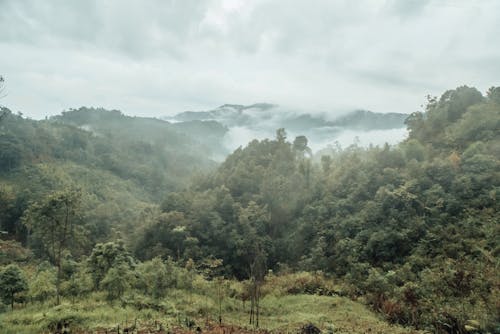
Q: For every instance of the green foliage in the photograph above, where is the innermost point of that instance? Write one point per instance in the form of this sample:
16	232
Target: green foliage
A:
116	281
494	94
52	225
79	284
156	154
107	256
155	278
411	229
13	252
120	163
43	285
279	313
379	218
52	222
315	283
12	282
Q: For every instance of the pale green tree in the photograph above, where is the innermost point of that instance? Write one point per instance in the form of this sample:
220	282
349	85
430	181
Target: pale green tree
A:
43	285
117	281
153	278
51	221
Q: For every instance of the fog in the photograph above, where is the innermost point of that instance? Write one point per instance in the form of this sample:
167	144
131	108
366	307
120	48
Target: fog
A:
260	121
318	138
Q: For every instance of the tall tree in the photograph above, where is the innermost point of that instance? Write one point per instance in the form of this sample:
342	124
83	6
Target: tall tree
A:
51	222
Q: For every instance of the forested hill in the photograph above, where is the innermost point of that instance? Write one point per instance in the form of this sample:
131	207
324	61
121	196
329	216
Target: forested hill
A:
197	140
131	147
412	227
121	164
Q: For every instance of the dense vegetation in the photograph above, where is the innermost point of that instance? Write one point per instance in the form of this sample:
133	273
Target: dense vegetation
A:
412	230
120	164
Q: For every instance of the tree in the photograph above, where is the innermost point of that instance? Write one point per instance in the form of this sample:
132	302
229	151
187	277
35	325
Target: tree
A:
4	112
494	94
257	273
117	281
300	146
326	163
106	256
80	283
12	281
7	201
154	278
51	221
42	285
281	135
2	87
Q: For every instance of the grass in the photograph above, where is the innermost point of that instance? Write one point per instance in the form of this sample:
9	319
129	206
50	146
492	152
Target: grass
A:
338	314
282	313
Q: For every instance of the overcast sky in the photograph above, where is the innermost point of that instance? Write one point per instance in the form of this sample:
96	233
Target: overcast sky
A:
161	57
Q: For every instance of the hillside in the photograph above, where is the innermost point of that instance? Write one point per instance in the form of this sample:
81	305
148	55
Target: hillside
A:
196	140
123	165
184	309
413	228
101	219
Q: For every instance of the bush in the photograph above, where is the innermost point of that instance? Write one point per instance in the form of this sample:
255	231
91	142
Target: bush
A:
61	314
299	283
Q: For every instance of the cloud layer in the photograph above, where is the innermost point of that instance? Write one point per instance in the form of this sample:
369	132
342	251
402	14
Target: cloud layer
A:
162	57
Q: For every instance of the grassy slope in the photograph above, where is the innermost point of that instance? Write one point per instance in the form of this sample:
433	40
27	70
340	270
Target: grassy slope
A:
278	314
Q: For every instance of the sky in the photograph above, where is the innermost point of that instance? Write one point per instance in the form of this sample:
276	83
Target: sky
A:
156	58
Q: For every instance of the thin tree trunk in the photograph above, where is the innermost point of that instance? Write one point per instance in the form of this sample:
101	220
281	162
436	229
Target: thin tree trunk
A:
58	280
252	304
62	244
251	310
257	297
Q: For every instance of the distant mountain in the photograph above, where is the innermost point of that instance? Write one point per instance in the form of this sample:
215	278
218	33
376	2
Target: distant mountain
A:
368	120
260	120
202	139
231	113
240	115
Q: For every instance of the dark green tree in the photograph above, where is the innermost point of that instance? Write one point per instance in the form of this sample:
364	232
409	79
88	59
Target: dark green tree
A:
494	94
12	282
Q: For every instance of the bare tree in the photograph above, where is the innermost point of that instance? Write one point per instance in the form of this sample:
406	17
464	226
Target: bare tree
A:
3	111
257	273
2	86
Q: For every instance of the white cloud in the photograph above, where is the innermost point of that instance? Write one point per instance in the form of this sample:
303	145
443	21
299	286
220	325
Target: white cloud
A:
162	57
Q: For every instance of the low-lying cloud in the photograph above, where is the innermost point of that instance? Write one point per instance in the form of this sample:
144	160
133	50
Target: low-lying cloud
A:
260	121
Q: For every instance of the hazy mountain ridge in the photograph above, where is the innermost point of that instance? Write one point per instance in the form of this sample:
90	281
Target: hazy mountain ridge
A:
240	115
261	120
205	137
